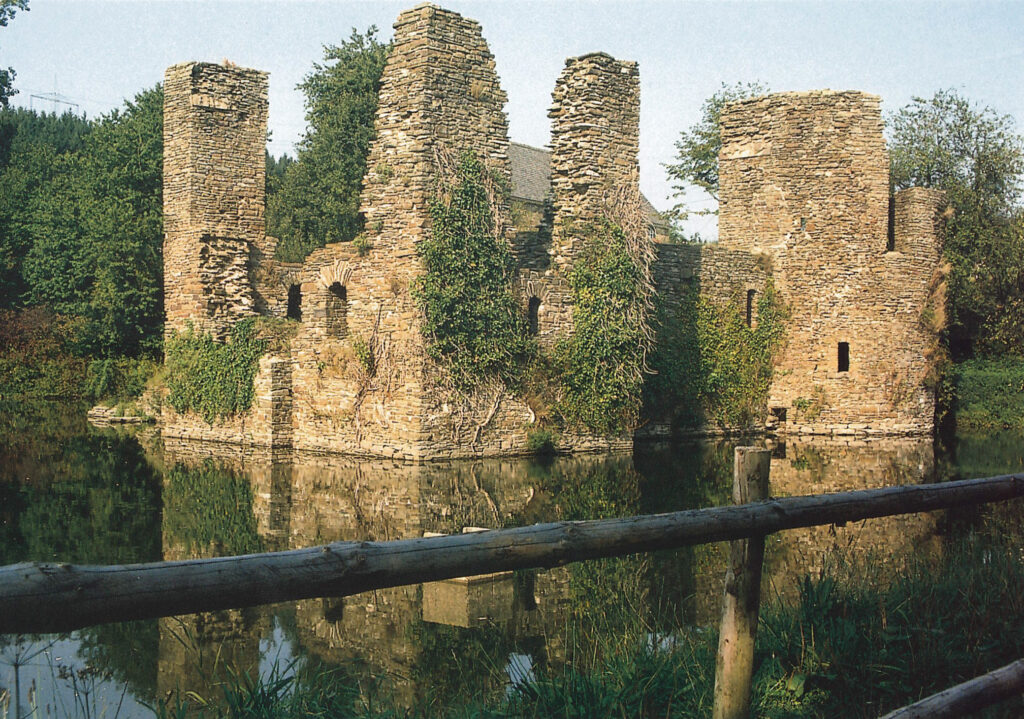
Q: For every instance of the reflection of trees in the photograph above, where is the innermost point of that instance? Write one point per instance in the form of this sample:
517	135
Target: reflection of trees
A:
208	511
102	506
89	497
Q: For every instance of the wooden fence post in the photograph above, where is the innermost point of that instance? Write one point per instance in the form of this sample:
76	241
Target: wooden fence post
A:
734	665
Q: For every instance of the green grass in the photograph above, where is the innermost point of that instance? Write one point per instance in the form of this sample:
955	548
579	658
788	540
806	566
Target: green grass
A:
989	393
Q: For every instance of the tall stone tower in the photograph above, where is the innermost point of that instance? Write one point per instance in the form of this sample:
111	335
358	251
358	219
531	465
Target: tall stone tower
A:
804	181
215	135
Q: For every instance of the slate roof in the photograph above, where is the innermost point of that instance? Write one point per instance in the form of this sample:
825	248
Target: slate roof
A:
531	177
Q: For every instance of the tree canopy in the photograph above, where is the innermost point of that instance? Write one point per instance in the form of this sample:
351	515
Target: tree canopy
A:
81	229
976	156
316	199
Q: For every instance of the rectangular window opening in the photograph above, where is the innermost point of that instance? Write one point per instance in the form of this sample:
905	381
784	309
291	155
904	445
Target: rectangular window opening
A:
844	356
750	307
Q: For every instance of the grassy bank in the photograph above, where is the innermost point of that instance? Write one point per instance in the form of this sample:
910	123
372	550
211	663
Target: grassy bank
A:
856	643
988	393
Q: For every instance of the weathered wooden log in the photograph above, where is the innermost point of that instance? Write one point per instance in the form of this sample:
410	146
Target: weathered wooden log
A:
969	697
48	597
734	663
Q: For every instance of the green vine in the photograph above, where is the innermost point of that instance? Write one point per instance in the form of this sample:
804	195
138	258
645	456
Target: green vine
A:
601	365
472	323
213	379
711	367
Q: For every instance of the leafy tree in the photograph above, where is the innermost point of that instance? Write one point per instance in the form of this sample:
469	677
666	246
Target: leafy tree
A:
697	149
96	230
30	147
976	156
7	10
318	198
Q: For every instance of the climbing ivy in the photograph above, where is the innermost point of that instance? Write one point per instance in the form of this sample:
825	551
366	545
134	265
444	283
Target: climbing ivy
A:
211	378
601	365
710	366
472	323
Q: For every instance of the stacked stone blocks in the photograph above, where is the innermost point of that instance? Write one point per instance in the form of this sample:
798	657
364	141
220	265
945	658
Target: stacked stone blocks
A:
804	180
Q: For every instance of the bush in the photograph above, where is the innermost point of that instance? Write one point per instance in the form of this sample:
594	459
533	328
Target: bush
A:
117	380
989	393
213	379
711	367
600	366
472	323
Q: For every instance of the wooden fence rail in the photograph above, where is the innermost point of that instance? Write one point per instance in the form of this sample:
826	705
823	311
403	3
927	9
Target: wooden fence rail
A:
42	597
968	698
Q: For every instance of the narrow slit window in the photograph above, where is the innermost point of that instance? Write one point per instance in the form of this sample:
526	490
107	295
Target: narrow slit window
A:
295	303
844	356
750	307
337	310
533	310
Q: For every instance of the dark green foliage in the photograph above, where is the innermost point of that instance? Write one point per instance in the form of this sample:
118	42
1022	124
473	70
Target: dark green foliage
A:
860	645
472	323
542	441
989	393
977	158
81	228
213	379
208	512
316	201
600	366
711	367
118	380
32	148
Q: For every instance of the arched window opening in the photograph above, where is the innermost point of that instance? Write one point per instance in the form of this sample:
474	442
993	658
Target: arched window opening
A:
337	310
534	315
295	303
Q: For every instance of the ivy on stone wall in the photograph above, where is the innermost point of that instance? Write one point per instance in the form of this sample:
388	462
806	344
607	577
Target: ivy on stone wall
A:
213	379
711	368
601	365
472	323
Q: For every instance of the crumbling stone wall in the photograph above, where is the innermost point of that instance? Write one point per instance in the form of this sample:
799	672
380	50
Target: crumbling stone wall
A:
805	179
804	186
215	136
595	138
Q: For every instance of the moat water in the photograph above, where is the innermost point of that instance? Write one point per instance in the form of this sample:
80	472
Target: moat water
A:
72	492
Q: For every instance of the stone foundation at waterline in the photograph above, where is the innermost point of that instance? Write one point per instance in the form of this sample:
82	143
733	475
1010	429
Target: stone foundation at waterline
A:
804	202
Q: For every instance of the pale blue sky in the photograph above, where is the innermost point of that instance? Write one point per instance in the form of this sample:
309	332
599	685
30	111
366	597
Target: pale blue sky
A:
99	52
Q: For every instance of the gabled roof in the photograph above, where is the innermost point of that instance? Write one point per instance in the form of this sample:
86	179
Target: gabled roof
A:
531	178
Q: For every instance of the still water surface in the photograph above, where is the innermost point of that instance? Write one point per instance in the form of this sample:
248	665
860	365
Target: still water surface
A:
71	492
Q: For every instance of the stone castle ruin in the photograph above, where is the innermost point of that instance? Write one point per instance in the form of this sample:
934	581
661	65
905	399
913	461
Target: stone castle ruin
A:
804	201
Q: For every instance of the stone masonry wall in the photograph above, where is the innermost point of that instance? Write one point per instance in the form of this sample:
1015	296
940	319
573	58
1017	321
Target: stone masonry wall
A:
804	186
595	138
440	98
805	179
215	131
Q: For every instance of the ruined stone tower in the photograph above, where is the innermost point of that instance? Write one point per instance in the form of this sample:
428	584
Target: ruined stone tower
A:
804	181
215	137
595	140
804	201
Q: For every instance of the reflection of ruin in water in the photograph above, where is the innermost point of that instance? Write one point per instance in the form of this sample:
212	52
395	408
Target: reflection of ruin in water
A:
300	500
